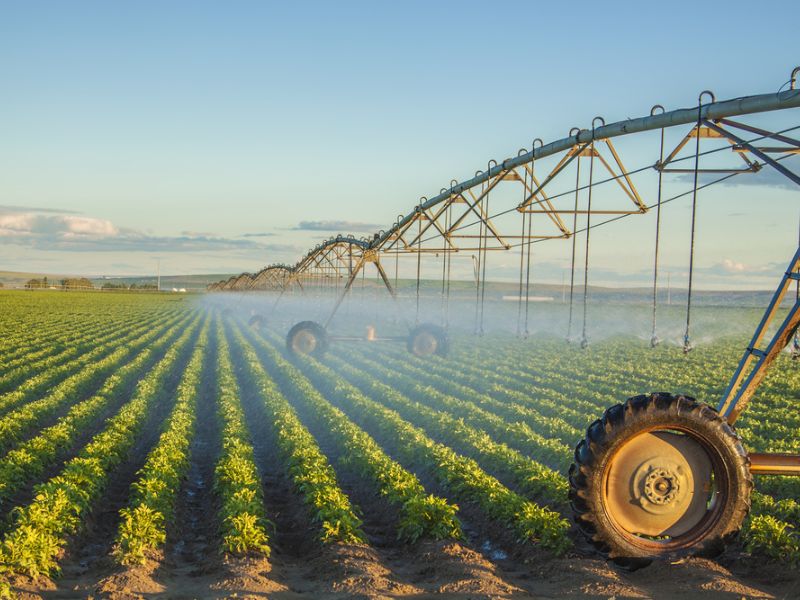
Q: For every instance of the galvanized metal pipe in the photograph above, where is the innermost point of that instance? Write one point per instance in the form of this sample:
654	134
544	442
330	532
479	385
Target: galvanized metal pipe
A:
682	116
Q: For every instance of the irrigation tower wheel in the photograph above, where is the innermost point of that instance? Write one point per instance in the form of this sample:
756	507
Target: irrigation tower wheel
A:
307	337
257	321
427	339
660	476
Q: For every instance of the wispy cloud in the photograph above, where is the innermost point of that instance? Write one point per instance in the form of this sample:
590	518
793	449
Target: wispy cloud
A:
341	226
54	231
7	208
257	235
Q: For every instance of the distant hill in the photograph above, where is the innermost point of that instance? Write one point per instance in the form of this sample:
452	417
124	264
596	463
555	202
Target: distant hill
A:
495	290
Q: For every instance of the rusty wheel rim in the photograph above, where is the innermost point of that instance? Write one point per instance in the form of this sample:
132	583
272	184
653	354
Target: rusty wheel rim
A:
424	344
662	489
304	341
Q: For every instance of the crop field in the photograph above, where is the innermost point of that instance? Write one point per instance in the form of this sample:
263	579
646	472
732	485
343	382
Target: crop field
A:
158	446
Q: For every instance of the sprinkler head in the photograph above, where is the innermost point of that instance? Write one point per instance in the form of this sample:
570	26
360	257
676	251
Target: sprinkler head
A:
654	341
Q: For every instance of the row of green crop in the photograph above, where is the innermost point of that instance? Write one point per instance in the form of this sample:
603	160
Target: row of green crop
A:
32	332
46	375
530	477
517	434
517	386
143	523
306	465
458	474
553	427
772	528
59	349
15	424
237	482
41	529
421	514
30	459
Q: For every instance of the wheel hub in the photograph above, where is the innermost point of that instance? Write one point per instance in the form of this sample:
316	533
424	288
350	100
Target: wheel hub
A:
659	484
304	341
424	344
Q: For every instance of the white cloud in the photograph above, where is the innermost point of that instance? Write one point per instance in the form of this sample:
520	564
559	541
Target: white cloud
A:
336	226
73	233
732	266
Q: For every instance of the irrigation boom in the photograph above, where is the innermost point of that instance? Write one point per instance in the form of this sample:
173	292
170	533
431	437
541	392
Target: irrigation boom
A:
661	475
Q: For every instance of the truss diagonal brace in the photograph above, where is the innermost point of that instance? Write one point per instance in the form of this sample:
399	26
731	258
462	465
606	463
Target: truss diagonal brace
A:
762	155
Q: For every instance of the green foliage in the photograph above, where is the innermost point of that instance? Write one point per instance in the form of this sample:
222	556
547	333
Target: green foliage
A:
764	534
40	530
459	474
142	529
535	479
492	426
30	459
421	515
236	479
304	462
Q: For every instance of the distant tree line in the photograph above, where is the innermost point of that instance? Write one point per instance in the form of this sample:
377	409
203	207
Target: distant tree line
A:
82	283
123	286
71	283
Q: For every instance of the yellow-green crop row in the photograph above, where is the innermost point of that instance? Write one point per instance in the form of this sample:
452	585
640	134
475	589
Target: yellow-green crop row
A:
237	483
143	525
459	474
517	434
30	459
44	376
55	350
534	479
421	514
18	422
304	462
42	528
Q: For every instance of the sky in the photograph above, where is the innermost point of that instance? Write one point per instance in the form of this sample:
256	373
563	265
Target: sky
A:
218	137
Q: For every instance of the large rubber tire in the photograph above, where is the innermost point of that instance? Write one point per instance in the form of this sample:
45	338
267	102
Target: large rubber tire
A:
427	339
307	337
594	502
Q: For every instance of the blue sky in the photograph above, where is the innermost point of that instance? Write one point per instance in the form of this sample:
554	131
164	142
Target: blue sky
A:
218	137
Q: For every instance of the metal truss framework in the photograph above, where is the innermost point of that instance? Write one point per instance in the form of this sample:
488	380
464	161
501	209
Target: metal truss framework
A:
461	219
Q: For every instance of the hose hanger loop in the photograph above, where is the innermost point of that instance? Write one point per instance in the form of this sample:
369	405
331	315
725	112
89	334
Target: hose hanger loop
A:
655	108
706	93
602	123
793	78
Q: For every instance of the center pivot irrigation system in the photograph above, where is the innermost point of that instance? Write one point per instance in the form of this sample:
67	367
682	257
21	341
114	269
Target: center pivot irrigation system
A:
661	475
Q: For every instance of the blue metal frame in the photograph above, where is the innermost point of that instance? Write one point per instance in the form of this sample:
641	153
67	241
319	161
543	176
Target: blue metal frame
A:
740	390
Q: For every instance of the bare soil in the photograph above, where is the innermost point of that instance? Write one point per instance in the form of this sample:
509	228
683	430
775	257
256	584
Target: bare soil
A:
426	570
